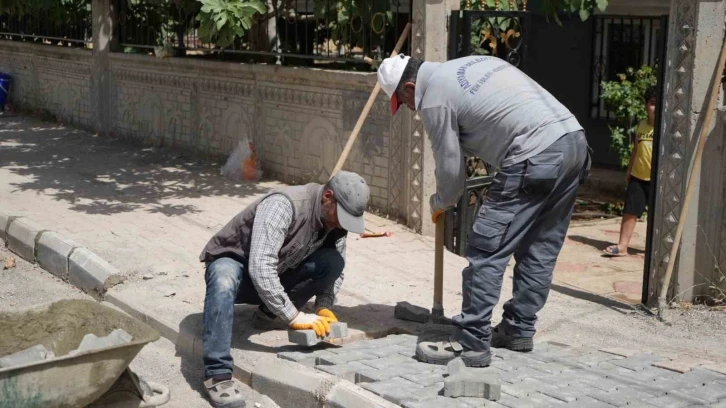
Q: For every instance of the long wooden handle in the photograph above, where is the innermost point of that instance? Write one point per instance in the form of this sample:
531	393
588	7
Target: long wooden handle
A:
439	263
694	171
367	108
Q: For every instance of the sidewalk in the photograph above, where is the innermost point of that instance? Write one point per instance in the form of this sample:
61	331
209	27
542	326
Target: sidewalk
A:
149	212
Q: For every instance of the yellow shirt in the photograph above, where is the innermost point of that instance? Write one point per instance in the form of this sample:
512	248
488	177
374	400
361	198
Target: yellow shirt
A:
643	151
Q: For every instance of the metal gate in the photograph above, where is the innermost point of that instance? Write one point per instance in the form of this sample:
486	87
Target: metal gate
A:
481	32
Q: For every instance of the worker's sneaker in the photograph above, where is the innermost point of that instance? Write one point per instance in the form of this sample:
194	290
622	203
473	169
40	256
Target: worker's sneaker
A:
263	321
441	352
224	394
500	339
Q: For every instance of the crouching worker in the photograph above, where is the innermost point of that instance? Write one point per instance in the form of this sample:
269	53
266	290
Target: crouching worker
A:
278	253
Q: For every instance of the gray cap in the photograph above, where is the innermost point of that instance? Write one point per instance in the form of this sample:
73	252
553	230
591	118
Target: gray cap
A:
351	193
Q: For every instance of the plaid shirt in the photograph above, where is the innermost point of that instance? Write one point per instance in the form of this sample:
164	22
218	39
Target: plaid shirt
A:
272	221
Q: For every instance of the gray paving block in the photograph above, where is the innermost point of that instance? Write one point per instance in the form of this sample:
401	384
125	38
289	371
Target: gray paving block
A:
27	356
455	366
527	387
712	392
425	379
676	400
370	374
541	400
438	402
391	350
92	342
481	402
413	313
552	367
21	235
701	376
660	385
605	384
571	393
345	371
89	272
621	397
308	358
473	382
596	357
588	402
637	362
522	373
397	390
4	223
363	344
383	363
338	330
513	402
404	339
346	395
336	359
53	252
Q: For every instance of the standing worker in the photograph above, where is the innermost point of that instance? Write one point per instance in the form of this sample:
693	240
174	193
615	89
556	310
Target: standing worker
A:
487	108
278	253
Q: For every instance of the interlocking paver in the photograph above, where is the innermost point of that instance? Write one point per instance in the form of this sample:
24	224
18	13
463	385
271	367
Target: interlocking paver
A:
637	362
522	373
382	363
389	350
336	359
393	390
702	376
345	371
438	402
620	397
588	402
425	379
304	358
676	400
604	384
527	387
596	357
571	393
713	392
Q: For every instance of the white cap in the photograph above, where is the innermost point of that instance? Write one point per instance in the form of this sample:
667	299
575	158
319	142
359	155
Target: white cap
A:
389	75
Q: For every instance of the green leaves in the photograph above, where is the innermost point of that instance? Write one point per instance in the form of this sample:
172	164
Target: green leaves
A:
224	21
624	97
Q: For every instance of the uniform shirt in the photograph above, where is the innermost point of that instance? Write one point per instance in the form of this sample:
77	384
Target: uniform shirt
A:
273	219
643	151
486	108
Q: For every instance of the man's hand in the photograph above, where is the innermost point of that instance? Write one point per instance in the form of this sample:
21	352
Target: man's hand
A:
327	314
306	321
434	213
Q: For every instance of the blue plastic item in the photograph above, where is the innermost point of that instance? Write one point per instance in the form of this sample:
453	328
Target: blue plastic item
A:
4	89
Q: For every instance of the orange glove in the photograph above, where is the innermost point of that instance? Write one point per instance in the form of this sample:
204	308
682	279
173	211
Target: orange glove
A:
327	314
306	321
436	215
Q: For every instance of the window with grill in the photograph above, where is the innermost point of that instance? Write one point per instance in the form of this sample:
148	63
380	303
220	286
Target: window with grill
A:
620	43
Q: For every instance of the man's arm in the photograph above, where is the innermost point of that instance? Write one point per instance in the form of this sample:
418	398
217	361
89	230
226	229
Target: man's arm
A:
443	132
326	299
272	220
633	155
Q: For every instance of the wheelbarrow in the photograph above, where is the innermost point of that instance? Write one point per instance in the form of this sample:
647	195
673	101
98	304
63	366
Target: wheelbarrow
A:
68	380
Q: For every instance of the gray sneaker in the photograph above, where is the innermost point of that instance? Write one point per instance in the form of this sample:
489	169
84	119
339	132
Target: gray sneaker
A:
261	321
224	394
500	339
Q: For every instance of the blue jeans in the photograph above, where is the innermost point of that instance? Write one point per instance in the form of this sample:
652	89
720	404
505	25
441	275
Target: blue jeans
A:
526	214
229	283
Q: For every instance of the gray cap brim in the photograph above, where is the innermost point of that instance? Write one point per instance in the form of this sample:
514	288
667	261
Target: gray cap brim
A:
350	222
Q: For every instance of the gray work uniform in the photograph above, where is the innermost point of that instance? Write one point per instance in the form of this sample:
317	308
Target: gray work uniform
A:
487	108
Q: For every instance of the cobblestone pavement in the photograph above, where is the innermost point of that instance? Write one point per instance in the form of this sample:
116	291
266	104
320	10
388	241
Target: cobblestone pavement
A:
553	375
149	212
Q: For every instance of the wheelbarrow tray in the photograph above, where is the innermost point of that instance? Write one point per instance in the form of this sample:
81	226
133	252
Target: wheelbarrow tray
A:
65	381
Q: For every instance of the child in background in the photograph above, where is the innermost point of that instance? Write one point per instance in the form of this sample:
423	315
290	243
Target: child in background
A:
637	194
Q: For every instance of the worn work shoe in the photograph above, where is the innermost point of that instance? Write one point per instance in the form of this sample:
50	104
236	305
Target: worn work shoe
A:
441	352
500	339
263	321
224	394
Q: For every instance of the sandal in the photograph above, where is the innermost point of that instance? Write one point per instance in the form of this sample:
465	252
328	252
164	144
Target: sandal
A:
442	352
224	394
613	251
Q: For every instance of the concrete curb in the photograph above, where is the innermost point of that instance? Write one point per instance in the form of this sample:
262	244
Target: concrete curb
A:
61	257
292	385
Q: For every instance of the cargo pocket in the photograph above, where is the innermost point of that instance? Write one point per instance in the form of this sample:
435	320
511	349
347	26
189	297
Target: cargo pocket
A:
542	173
490	228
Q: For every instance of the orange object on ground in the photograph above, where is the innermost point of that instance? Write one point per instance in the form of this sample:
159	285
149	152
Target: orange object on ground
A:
376	234
249	165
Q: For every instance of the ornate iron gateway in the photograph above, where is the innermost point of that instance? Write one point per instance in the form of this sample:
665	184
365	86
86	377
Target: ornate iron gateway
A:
482	32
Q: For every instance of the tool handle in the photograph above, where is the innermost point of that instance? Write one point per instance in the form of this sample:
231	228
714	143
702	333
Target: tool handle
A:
371	99
439	263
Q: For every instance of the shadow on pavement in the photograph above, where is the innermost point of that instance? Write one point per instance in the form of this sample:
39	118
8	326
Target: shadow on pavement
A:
601	245
618	306
101	175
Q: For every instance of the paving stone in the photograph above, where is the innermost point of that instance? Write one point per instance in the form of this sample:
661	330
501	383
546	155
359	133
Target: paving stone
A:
413	313
676	400
368	344
637	362
569	394
345	371
389	350
618	351
438	402
526	387
711	392
27	356
404	339
702	376
370	374
398	390
522	373
52	253
543	400
473	382
604	384
382	363
552	368
719	368
621	397
308	358
338	330
588	402
721	404
480	402
512	402
682	365
425	379
336	359
455	366
595	358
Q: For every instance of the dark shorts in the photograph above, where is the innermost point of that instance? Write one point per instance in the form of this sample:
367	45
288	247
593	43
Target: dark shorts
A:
636	197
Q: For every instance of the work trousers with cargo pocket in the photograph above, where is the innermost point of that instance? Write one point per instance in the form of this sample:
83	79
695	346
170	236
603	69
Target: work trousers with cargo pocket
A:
526	213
